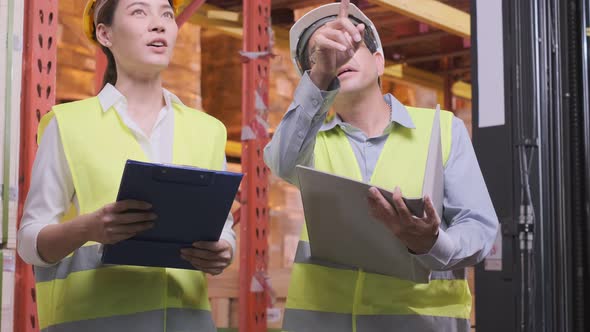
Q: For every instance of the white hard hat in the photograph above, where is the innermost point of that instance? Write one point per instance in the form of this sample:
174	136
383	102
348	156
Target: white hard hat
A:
310	22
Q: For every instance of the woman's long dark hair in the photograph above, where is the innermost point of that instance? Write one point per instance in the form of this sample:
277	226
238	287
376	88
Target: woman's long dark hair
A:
106	16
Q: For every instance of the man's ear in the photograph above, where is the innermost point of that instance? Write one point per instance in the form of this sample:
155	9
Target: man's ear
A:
104	35
380	62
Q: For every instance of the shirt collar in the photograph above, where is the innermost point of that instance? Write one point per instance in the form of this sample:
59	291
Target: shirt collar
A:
109	96
399	115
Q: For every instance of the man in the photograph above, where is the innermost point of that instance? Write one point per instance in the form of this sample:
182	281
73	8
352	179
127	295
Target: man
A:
376	139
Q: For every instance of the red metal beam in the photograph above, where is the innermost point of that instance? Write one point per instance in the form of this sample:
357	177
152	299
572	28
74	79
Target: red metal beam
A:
434	57
454	71
446	64
188	12
254	229
38	96
413	39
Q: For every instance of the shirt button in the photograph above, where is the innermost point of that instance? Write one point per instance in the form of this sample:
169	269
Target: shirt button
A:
315	102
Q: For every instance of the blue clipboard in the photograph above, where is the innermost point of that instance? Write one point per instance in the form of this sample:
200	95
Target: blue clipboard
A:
192	204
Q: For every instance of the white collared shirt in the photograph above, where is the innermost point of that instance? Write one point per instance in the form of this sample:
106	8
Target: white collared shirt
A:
52	187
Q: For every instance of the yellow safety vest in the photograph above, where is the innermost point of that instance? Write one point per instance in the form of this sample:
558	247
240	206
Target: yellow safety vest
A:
323	297
81	294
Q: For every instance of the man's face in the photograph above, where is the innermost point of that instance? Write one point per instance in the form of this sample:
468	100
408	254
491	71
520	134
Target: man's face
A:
361	72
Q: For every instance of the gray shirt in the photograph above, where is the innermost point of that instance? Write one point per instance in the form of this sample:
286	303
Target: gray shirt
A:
469	222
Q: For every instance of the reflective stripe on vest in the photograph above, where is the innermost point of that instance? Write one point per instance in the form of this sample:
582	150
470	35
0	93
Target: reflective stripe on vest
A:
320	291
313	321
80	292
83	259
150	321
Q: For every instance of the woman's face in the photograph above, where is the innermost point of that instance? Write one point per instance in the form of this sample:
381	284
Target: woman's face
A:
143	35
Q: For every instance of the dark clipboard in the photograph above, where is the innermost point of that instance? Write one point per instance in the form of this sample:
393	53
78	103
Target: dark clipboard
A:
192	204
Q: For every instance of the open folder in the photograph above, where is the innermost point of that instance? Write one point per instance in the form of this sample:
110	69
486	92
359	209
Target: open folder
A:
342	231
192	204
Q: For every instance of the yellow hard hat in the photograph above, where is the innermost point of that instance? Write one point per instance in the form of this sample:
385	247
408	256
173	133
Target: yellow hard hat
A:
88	17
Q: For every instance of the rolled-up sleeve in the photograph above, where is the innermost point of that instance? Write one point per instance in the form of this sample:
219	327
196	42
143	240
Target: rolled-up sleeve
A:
228	233
469	224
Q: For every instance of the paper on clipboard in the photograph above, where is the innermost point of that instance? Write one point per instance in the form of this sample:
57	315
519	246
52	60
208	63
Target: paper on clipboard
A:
342	231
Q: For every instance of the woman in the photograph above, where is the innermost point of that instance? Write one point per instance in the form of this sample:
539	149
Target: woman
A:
82	152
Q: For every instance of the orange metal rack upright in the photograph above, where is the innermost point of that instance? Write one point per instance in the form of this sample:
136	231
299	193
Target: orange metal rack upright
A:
254	229
38	96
